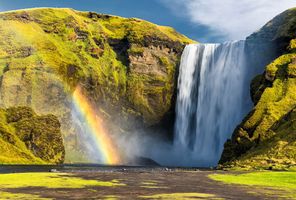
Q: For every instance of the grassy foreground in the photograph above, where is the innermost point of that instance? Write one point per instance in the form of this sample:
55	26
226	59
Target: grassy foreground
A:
50	180
45	180
179	185
285	181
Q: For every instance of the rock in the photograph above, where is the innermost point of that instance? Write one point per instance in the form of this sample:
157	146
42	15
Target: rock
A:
43	137
269	130
127	66
142	161
27	138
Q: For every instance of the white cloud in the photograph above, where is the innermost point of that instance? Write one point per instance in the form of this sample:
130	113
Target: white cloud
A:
234	19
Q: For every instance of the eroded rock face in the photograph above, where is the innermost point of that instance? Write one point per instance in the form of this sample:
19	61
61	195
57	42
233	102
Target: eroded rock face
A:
267	136
126	66
152	74
31	139
271	41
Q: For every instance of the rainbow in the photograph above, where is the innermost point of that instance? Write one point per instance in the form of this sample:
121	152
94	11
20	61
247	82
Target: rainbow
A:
104	144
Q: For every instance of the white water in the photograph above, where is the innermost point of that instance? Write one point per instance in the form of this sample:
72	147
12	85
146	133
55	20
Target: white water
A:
212	100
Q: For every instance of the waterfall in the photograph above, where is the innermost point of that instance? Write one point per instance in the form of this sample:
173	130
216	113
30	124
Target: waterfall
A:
213	98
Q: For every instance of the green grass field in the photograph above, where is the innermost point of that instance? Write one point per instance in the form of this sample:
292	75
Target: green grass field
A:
45	180
285	181
157	185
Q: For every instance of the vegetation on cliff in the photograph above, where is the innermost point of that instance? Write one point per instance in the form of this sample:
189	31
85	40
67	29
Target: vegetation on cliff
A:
116	58
26	138
127	66
267	136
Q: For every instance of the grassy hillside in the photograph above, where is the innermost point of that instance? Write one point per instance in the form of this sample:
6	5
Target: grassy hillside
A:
267	136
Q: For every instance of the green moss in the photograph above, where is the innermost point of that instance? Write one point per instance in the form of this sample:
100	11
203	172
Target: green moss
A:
266	137
183	196
279	63
152	185
59	38
12	149
275	101
117	27
292	46
15	114
29	139
49	48
136	50
49	180
149	183
292	70
20	196
111	197
277	152
43	134
277	180
17	154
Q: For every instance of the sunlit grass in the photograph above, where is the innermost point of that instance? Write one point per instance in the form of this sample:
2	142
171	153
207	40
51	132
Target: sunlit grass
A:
281	180
285	181
20	196
152	185
181	196
50	180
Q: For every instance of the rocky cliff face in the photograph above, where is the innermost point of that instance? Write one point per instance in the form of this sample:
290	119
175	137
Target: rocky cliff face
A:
127	66
267	136
26	138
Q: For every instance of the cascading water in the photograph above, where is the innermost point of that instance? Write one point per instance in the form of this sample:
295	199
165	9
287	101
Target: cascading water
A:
212	100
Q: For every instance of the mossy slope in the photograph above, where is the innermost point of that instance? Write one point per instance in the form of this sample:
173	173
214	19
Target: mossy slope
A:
116	58
267	136
26	138
127	66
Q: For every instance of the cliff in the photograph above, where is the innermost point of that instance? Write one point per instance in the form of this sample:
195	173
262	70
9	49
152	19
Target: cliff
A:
126	66
266	139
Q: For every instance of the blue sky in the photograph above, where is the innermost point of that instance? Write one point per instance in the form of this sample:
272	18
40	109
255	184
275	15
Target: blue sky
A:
202	20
